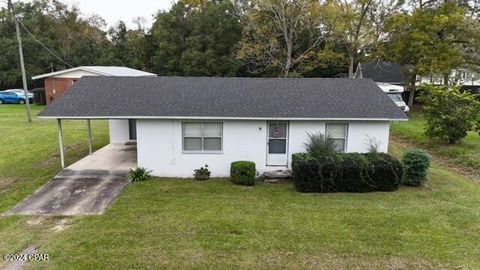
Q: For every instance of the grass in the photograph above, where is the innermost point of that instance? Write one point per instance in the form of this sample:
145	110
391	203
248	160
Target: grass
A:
465	154
177	224
30	151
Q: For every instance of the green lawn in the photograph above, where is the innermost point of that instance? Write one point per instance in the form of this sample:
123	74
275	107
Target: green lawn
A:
465	154
172	223
29	152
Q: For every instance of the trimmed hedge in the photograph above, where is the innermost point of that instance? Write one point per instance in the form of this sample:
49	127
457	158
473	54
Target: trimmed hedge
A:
347	172
416	164
243	173
388	172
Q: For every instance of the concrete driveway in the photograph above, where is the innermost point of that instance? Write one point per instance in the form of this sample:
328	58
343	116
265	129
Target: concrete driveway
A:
87	187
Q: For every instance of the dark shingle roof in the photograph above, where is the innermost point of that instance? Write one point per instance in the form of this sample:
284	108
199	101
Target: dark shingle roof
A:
385	72
111	97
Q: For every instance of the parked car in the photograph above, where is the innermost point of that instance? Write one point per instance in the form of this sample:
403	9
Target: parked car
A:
14	96
394	92
20	91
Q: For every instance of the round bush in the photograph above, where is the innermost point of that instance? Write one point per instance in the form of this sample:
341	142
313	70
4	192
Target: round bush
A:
243	173
416	163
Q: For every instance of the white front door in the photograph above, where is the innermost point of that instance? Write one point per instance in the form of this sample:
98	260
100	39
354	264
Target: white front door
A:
277	144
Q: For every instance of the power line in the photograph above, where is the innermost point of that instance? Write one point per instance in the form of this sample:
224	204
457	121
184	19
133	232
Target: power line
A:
46	48
37	57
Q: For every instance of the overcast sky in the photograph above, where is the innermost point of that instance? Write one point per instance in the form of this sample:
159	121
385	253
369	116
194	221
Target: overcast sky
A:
127	10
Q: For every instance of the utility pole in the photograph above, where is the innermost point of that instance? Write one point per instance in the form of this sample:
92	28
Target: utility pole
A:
22	64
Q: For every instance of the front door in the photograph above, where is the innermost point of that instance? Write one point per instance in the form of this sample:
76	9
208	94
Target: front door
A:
132	129
277	144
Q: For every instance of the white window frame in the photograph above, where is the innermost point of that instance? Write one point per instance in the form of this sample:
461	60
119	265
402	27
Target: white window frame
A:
345	144
203	151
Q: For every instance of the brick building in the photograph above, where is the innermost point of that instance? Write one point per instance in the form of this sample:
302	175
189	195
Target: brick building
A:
56	83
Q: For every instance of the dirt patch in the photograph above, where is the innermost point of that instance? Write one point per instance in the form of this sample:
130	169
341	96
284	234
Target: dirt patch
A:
62	224
35	222
49	162
292	260
75	146
402	263
7	182
54	158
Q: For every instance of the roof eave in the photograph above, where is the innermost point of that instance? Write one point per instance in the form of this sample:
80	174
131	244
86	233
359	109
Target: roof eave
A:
46	75
222	118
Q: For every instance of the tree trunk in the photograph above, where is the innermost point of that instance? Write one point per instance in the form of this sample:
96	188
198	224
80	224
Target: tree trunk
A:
411	96
352	62
288	61
445	79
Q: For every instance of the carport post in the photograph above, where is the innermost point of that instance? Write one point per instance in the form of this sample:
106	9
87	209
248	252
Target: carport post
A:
89	136
60	141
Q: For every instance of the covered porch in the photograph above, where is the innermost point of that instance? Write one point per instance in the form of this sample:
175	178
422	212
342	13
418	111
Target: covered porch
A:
121	132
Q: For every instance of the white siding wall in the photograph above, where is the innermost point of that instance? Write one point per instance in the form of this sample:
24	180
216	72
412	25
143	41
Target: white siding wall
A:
119	133
360	132
159	144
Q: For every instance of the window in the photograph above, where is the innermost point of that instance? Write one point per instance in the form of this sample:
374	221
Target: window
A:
338	132
199	136
277	138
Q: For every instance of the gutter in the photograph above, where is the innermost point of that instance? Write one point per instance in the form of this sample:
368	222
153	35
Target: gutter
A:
221	118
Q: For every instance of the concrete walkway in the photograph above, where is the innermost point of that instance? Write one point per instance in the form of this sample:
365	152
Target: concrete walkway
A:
87	187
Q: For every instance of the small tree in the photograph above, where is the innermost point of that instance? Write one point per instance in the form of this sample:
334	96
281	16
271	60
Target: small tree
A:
416	162
450	113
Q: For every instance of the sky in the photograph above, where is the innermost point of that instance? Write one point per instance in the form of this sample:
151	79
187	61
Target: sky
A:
127	10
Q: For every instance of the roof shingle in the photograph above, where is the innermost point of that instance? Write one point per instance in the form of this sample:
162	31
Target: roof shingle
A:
284	98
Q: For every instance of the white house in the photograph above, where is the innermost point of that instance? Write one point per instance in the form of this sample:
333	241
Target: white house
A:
183	123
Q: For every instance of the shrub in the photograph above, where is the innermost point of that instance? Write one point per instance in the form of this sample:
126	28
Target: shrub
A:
347	172
352	176
39	97
320	146
416	164
450	113
202	174
243	173
139	174
373	144
385	166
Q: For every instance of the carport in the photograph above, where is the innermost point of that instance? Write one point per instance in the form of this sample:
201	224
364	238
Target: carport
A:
122	131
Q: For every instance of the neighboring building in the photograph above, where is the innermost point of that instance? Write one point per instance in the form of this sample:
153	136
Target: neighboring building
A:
466	78
384	72
56	83
183	123
390	77
397	74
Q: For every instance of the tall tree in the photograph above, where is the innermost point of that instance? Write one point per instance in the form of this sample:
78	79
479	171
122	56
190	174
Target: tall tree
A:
281	37
435	38
352	24
122	53
197	39
76	39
